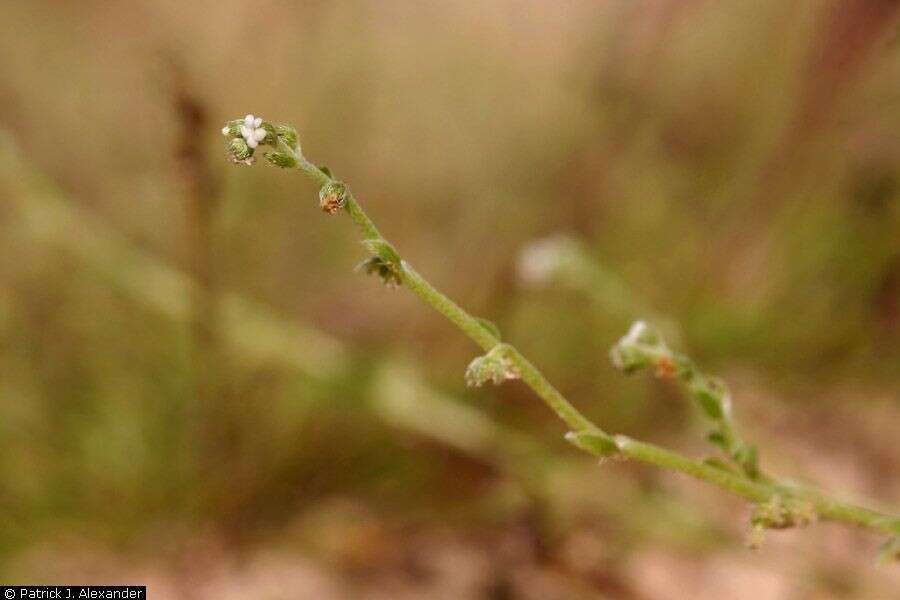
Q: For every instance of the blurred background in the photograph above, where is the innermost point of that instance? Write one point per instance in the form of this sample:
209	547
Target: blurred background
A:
198	393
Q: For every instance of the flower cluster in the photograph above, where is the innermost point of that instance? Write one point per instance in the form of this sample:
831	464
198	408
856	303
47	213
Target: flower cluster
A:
245	135
252	131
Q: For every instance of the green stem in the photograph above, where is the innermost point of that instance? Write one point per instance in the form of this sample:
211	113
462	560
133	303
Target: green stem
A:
447	307
549	394
755	491
667	459
361	219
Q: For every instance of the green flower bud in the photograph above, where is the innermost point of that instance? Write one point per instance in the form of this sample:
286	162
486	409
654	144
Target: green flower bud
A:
709	397
712	395
232	128
288	135
271	138
629	359
240	152
281	159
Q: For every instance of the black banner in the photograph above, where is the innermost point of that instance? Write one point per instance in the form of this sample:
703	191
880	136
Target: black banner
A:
73	592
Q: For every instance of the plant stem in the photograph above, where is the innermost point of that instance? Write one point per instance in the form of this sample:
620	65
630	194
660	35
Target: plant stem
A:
550	395
755	491
447	307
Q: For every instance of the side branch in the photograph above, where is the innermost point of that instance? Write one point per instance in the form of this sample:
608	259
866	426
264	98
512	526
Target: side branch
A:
757	491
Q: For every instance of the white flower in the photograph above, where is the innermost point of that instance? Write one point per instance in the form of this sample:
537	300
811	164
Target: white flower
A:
252	132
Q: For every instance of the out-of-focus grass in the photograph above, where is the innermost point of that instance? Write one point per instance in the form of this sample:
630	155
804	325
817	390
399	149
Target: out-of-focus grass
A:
734	166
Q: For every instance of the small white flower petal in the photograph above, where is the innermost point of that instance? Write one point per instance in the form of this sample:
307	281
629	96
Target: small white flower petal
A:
248	120
257	121
259	134
252	143
246	132
225	130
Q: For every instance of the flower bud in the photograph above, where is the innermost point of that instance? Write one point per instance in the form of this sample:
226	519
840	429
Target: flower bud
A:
281	159
288	135
495	366
629	359
332	197
710	396
232	129
240	152
271	138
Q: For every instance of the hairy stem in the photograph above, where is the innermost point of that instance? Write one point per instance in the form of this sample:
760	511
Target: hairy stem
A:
756	491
